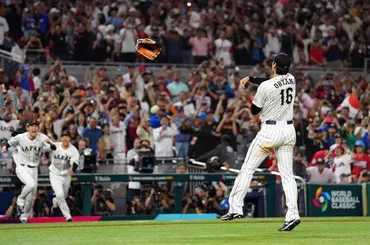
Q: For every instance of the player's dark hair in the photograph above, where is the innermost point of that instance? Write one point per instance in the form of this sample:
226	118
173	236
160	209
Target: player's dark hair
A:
36	71
146	141
280	71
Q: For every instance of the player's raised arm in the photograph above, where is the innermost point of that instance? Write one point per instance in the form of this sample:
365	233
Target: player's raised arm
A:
48	143
255	80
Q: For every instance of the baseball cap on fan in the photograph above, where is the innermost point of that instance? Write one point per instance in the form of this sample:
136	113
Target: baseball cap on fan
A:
282	61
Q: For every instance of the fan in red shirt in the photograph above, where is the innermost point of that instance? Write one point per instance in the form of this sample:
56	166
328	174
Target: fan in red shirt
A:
162	85
316	53
361	160
319	154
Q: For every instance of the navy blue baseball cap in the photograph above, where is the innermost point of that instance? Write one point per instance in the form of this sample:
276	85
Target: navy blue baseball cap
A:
282	61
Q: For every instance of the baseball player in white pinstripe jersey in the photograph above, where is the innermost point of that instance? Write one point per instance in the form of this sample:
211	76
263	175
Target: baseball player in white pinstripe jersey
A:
274	101
64	161
29	147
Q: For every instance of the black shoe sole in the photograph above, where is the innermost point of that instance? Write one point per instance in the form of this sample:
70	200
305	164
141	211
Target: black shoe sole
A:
232	217
291	226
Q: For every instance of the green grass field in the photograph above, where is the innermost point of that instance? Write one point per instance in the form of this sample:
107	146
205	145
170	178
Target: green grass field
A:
312	231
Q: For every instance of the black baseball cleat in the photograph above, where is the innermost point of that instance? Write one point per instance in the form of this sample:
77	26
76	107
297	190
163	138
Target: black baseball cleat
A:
69	220
229	216
290	225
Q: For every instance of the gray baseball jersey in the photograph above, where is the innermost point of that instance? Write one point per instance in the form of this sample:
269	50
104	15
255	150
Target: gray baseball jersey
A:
29	151
62	159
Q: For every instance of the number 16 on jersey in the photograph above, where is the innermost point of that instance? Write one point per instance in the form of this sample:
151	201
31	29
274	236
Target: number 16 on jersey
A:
286	96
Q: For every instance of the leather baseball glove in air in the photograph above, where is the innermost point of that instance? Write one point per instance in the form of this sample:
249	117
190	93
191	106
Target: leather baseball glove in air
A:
148	48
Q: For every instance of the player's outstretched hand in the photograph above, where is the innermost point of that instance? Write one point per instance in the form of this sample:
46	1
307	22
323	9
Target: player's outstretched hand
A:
244	81
4	149
70	172
47	140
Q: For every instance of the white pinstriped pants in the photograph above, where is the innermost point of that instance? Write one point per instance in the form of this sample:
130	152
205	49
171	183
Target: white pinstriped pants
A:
282	138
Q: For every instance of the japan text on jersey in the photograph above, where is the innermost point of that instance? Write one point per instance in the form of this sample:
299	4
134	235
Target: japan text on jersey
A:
29	151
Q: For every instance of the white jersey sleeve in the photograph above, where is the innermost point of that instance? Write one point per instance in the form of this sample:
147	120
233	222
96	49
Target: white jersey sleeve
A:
75	155
46	146
259	97
14	141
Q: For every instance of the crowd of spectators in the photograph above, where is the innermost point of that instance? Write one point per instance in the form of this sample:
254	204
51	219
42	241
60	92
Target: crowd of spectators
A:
330	33
188	117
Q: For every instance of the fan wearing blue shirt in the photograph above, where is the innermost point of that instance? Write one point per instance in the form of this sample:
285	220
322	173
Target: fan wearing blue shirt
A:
93	133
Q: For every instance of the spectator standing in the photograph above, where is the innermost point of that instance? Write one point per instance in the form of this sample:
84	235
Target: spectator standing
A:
320	174
316	54
184	126
128	35
42	20
200	46
8	125
333	49
314	145
4	29
163	138
351	25
176	87
187	51
204	134
243	53
19	97
57	43
341	164
144	131
228	126
92	132
82	44
106	145
118	134
223	48
174	47
273	43
361	160
188	106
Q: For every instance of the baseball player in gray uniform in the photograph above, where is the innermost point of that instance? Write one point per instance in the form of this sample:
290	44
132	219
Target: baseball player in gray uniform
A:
274	101
29	147
64	162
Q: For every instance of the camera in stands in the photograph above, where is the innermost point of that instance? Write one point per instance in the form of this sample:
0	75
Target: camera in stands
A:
213	164
144	161
88	161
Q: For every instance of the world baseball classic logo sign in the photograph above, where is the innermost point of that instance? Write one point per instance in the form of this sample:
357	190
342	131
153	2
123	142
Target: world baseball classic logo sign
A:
335	200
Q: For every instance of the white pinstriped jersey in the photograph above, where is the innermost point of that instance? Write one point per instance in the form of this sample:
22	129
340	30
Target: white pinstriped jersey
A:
28	151
276	98
62	159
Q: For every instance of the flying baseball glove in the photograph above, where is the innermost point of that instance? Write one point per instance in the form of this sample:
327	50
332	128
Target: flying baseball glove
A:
148	48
